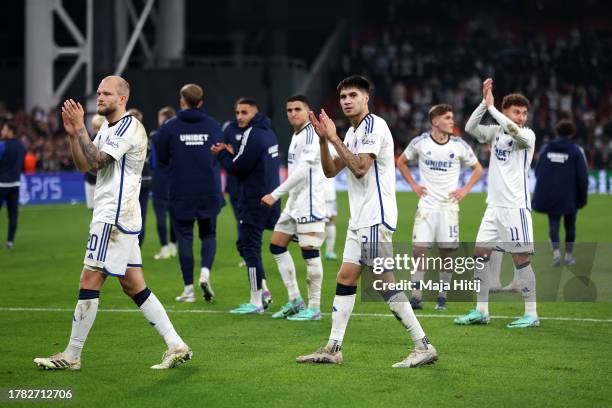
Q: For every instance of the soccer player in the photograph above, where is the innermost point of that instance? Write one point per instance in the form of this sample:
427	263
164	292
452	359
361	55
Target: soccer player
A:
160	186
367	153
117	153
440	156
256	166
303	215
12	153
506	223
330	224
183	143
561	187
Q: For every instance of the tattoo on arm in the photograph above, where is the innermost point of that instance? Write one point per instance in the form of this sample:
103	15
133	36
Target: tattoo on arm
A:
357	164
95	158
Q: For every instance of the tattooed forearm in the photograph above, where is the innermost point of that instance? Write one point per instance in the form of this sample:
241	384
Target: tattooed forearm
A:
95	158
357	164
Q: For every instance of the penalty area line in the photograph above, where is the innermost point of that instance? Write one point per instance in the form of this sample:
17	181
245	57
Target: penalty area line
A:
376	315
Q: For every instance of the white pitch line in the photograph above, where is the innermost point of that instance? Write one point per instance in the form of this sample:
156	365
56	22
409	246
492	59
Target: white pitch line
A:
135	310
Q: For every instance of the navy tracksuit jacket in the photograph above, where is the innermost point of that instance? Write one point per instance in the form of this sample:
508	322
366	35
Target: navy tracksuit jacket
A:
183	143
255	165
561	178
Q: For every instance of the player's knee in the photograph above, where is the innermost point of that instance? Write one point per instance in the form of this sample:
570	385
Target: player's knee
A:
346	278
520	259
309	253
277	249
419	251
91	279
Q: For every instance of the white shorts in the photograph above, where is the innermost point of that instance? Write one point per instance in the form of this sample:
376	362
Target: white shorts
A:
89	195
506	229
364	244
110	250
439	226
308	234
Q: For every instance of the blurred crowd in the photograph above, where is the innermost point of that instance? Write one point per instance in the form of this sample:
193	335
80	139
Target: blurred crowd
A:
563	73
415	62
44	137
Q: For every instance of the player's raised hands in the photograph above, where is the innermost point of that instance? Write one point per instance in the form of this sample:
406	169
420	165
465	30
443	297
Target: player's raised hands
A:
73	115
323	125
487	91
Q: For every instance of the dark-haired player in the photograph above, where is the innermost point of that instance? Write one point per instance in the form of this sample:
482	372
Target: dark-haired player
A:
367	153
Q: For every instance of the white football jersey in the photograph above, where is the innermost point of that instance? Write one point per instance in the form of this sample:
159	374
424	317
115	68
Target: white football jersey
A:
440	167
372	197
305	180
118	184
510	158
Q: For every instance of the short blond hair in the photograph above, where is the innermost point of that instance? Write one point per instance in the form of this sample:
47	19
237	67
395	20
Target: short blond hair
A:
97	121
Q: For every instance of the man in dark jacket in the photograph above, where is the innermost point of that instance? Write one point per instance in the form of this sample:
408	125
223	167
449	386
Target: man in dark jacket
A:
561	187
12	153
256	166
184	143
160	187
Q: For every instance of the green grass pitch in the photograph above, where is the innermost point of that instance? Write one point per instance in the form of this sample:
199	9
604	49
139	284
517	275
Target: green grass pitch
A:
249	360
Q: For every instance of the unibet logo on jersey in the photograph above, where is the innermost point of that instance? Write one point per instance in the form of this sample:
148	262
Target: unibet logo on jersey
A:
196	139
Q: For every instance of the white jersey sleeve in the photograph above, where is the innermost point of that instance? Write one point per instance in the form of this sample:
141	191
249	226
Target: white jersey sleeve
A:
525	138
467	157
300	163
372	138
412	150
482	133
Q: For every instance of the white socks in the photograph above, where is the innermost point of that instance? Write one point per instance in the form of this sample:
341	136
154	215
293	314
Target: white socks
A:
494	277
527	281
205	275
155	313
256	298
416	279
314	277
264	287
330	237
82	320
400	307
482	296
341	312
286	267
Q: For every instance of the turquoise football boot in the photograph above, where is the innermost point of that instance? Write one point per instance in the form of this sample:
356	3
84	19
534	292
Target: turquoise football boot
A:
473	317
523	322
